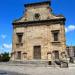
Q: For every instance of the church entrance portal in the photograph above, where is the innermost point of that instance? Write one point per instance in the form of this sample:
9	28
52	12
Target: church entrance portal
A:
37	52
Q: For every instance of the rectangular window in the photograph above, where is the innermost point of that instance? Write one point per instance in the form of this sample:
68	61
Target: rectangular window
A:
74	51
68	52
19	40
19	37
55	34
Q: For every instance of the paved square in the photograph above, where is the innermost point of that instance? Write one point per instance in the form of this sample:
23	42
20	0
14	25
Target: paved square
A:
26	70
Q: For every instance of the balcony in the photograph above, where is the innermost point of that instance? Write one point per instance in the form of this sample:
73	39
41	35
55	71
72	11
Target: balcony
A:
56	42
18	45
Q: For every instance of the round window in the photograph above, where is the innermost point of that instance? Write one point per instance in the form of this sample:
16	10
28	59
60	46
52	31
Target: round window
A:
37	16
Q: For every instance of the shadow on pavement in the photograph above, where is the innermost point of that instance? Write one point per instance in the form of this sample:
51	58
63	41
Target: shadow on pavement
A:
10	73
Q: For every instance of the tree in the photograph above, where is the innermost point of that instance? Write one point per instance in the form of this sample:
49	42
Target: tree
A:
4	57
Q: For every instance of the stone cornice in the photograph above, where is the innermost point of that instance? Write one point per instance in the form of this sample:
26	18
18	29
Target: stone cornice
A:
40	22
38	3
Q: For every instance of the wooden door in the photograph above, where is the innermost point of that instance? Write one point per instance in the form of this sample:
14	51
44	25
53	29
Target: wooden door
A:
37	52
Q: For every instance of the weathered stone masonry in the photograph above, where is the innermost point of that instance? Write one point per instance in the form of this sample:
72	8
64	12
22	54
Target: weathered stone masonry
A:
39	34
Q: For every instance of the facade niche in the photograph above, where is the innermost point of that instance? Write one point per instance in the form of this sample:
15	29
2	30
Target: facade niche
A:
19	55
56	54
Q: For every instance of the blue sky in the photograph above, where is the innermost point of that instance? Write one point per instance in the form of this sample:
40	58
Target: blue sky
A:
13	9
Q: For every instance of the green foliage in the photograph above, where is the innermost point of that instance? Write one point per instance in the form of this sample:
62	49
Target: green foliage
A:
4	57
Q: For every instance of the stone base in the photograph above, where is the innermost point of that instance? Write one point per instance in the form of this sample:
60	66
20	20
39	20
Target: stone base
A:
31	62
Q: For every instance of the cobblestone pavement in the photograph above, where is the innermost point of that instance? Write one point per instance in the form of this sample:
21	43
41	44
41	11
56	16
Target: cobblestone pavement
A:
24	70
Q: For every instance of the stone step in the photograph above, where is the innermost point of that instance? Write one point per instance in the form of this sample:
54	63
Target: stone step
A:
30	63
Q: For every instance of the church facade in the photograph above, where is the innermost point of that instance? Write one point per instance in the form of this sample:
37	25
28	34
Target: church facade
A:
39	34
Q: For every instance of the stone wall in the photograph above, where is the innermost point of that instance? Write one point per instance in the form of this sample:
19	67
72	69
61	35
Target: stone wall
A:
38	32
39	35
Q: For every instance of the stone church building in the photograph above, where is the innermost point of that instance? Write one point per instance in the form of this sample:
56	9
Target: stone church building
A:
39	34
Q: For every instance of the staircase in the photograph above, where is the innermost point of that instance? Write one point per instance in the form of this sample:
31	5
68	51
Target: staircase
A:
30	63
34	63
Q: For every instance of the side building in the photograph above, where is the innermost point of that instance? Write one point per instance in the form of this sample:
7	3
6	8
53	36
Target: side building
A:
71	53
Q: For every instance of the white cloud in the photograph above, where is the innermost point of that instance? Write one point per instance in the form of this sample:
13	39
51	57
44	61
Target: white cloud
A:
7	46
70	28
3	36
